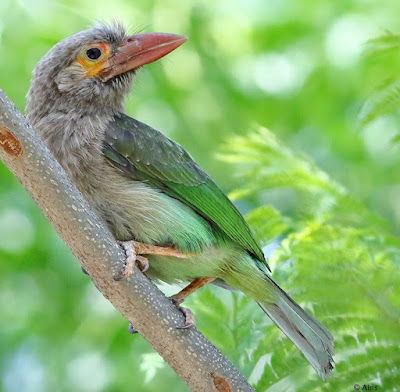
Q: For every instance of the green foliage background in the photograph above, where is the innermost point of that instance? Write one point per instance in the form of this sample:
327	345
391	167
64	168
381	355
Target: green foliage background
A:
321	189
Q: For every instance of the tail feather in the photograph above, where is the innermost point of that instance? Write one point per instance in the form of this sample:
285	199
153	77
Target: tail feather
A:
308	335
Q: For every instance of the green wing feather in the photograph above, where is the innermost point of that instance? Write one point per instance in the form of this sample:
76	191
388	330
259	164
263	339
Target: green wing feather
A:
147	155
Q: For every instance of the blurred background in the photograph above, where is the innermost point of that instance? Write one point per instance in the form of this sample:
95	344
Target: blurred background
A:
302	69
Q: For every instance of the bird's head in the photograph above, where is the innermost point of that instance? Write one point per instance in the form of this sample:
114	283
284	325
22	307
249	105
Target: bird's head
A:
93	70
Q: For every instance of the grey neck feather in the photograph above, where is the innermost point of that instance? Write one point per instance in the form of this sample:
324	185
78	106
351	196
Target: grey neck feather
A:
73	134
71	111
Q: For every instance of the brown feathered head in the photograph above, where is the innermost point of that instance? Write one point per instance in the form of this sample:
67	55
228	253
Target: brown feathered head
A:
93	70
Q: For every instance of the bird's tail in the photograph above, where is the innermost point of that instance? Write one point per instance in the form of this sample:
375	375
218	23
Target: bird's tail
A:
307	334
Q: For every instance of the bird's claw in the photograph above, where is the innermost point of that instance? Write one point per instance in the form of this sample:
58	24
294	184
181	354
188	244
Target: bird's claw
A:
177	299
131	329
144	262
84	271
131	250
135	250
189	316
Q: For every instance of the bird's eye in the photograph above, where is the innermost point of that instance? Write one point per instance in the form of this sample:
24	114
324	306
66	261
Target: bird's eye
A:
93	53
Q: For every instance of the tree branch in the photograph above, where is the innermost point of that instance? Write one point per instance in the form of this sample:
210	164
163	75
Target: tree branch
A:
197	362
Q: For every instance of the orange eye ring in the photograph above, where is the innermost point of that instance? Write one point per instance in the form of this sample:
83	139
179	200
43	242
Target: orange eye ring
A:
93	57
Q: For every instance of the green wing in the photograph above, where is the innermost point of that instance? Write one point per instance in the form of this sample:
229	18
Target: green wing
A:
147	155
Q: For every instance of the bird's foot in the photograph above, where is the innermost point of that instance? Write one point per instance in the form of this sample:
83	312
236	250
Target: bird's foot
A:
131	258
178	299
131	329
189	319
84	271
189	316
135	250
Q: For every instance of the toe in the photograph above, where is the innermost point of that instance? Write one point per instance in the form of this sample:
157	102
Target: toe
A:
130	252
132	329
189	318
177	300
84	271
144	262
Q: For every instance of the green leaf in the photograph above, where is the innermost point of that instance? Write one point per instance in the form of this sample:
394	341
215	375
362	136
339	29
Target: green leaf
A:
383	44
385	98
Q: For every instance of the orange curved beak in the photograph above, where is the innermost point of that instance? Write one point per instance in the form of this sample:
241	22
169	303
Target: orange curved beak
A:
138	50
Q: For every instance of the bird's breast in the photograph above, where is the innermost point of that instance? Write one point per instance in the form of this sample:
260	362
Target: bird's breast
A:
132	209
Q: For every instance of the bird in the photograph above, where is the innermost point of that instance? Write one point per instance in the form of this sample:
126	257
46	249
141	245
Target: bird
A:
169	215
